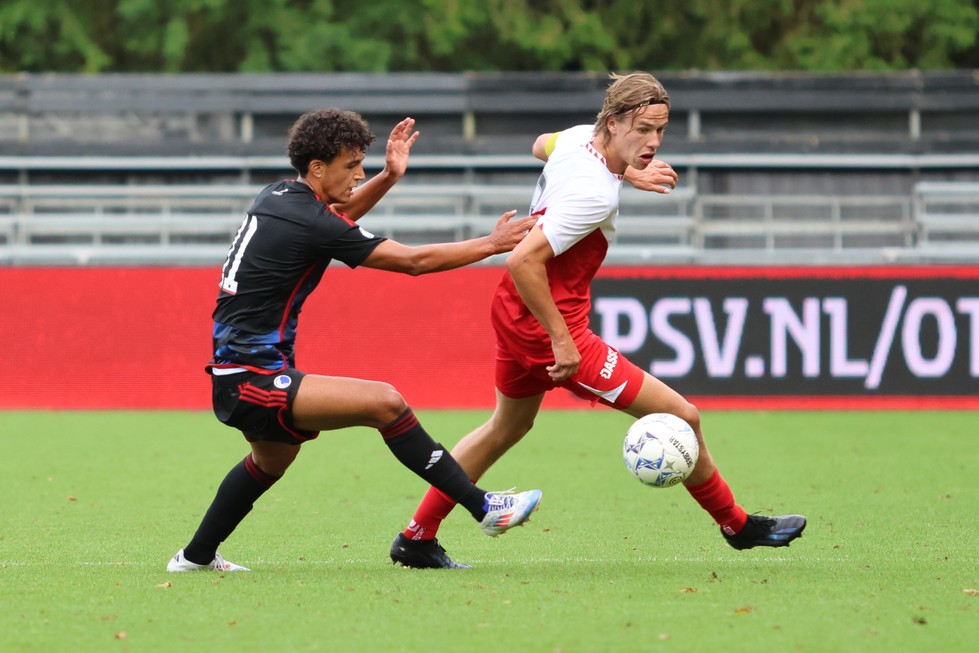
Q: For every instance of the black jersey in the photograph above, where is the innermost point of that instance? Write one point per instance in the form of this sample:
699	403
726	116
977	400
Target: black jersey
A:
276	260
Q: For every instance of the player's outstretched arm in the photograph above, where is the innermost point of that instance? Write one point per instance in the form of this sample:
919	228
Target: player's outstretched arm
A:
657	177
396	154
423	259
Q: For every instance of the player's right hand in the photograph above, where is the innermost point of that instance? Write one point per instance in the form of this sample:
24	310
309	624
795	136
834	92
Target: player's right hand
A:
508	232
567	359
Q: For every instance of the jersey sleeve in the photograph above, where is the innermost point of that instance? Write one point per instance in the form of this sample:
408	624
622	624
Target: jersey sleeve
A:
569	139
343	240
574	216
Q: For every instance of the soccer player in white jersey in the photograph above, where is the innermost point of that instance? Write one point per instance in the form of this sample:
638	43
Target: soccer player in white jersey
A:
540	316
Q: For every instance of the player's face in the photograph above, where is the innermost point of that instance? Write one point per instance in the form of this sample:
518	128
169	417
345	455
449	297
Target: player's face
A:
636	138
335	181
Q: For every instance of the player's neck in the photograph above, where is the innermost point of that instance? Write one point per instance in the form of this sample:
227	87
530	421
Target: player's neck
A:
303	180
614	165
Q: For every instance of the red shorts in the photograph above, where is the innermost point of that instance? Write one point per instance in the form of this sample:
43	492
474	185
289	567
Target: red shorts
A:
604	376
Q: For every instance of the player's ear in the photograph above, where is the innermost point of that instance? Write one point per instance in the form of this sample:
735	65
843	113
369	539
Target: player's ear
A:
315	169
612	125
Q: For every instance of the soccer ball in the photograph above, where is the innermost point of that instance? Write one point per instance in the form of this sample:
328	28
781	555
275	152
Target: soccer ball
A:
660	450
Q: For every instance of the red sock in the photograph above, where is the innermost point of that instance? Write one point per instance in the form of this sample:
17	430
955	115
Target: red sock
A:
435	507
715	496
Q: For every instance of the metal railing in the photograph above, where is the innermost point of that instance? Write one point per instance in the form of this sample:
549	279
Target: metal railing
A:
179	223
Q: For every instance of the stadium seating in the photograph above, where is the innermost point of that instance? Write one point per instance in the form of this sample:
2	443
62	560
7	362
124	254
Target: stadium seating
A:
947	214
774	168
193	223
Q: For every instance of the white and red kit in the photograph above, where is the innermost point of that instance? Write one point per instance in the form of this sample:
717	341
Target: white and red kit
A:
577	201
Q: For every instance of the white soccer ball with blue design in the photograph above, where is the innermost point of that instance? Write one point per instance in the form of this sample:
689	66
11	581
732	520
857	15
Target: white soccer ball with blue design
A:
660	450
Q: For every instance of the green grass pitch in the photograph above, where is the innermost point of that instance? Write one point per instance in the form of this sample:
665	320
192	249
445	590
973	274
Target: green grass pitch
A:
94	504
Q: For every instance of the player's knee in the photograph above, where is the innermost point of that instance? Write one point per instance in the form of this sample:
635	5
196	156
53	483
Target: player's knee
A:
689	414
272	467
389	404
273	459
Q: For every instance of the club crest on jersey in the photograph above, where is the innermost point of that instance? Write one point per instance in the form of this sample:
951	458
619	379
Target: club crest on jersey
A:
282	382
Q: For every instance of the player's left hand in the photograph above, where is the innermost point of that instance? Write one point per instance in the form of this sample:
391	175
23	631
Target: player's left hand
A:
401	139
657	177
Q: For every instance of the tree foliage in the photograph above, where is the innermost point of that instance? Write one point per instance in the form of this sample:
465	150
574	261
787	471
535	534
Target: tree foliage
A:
485	35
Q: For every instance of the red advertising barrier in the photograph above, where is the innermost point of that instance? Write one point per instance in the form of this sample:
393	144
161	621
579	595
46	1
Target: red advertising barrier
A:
139	337
896	337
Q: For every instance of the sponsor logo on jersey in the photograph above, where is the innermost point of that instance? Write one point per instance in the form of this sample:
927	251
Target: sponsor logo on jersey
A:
610	362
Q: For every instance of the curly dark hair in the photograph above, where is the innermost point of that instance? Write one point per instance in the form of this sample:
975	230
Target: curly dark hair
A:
324	134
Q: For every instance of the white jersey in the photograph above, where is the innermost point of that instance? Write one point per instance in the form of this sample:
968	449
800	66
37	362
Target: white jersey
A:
576	193
576	201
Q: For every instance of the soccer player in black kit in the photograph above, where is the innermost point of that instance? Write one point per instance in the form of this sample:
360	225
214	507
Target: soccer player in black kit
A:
277	258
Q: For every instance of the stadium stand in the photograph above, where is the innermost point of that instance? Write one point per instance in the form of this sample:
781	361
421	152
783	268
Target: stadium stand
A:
947	218
775	168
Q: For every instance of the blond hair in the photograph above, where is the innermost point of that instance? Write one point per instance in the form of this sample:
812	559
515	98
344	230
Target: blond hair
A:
626	94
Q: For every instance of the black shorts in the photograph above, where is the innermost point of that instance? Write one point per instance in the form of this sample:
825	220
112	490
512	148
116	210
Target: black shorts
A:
260	405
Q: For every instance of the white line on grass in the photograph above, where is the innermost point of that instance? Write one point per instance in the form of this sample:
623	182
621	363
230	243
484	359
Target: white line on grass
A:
534	560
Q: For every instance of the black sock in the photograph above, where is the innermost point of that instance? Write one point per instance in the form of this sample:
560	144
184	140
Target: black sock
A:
417	451
239	490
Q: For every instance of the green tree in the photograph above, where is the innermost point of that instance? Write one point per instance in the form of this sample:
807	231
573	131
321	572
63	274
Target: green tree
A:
883	35
48	35
485	35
